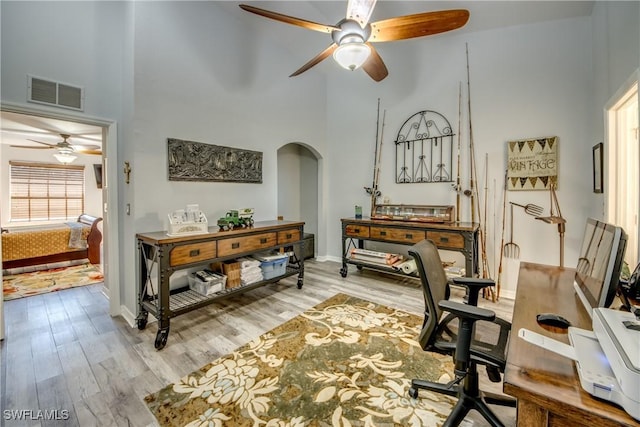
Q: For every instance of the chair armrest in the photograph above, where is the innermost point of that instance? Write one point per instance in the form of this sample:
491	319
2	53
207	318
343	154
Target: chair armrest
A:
474	285
466	311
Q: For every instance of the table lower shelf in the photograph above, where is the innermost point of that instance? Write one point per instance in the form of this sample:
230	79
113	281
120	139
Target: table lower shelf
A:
379	267
183	300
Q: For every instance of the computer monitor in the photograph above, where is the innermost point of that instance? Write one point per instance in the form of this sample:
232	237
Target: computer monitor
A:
598	268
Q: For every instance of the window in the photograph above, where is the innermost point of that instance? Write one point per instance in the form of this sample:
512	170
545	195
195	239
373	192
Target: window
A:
46	192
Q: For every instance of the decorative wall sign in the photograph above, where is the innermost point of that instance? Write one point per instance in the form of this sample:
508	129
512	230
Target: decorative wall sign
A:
532	164
597	167
196	161
424	149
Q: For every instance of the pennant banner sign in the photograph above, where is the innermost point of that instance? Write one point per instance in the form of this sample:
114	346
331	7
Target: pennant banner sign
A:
532	164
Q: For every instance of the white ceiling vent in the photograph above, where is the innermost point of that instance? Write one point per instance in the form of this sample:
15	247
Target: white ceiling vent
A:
55	93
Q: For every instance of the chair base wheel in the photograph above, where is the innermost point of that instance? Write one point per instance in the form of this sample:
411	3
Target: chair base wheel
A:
413	393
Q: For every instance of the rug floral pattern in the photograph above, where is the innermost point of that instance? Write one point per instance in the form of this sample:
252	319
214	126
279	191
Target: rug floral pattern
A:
43	281
345	362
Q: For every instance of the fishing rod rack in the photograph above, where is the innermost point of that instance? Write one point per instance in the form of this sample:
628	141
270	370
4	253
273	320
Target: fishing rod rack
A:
424	149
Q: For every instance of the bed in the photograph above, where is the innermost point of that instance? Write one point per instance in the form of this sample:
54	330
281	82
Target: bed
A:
60	242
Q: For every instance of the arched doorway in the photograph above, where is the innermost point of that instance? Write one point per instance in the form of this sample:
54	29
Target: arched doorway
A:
299	186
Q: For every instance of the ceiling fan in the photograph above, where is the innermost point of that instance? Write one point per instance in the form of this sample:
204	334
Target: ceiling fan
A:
65	148
353	36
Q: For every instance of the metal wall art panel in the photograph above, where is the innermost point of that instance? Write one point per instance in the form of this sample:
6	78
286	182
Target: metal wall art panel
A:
532	164
196	161
424	149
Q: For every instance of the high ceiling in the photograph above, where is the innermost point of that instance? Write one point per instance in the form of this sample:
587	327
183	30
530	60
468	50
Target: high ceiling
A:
304	44
484	15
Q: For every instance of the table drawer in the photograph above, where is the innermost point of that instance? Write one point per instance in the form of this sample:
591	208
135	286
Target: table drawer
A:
443	239
288	236
403	235
194	252
246	244
354	230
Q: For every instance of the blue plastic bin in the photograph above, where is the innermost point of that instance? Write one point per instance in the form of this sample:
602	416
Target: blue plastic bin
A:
274	268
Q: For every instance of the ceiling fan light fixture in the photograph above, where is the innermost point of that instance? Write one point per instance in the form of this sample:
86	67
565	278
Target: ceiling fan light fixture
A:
352	55
65	156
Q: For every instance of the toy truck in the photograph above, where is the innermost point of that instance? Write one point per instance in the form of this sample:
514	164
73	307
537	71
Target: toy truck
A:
236	218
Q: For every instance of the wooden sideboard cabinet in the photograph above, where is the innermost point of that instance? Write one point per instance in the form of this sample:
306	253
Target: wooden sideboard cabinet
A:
456	236
161	255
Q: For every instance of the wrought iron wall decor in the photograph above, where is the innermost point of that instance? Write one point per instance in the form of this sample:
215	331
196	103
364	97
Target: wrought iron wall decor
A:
196	161
424	149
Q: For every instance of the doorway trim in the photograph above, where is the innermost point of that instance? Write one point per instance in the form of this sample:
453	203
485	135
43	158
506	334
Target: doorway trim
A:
611	128
109	191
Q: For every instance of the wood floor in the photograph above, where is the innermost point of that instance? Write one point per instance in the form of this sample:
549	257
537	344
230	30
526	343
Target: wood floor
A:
65	355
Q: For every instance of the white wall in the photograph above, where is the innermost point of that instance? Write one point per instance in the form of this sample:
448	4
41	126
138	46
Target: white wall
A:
201	76
83	44
190	70
616	56
93	195
527	81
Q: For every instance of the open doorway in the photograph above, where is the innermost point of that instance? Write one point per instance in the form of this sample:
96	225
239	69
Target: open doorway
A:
298	187
623	163
108	195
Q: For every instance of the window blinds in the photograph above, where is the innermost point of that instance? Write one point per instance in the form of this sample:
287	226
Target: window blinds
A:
46	192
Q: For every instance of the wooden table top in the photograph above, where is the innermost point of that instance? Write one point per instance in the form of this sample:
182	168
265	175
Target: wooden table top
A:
457	226
161	237
541	376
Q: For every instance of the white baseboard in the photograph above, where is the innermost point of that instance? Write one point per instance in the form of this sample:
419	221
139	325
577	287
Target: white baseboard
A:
128	316
328	258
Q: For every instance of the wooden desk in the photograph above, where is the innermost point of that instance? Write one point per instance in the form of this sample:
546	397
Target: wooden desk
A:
547	385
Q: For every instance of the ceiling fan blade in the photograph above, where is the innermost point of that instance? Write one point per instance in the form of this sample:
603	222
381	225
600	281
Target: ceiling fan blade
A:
317	59
96	152
360	11
374	66
290	19
44	143
418	25
27	146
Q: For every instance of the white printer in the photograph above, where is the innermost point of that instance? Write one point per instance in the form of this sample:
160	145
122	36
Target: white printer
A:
607	359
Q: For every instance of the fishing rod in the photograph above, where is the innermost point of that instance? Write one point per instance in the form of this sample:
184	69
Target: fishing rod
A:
472	191
376	193
373	189
457	187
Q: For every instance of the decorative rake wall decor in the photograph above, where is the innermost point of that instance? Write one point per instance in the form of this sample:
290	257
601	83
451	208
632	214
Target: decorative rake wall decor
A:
424	149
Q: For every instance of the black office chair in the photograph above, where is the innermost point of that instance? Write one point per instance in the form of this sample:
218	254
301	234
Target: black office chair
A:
457	334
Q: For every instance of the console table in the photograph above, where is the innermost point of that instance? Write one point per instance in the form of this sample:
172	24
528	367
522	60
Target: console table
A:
547	385
456	236
165	254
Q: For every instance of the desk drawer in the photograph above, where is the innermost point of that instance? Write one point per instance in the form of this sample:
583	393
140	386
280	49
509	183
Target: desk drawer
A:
354	230
401	235
443	239
288	236
246	244
195	252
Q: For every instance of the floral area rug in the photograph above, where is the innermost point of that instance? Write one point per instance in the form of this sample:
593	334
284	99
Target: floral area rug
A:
345	362
43	281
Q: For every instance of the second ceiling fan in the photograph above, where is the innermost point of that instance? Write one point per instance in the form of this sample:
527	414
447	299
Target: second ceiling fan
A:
353	36
65	149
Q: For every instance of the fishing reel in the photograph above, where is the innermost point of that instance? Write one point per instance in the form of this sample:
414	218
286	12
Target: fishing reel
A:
370	192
